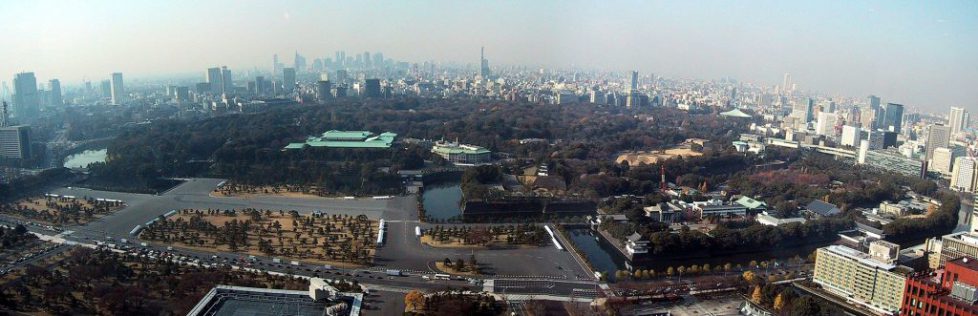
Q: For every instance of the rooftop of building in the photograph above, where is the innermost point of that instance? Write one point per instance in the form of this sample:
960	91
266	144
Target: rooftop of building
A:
865	259
823	208
236	300
347	139
443	147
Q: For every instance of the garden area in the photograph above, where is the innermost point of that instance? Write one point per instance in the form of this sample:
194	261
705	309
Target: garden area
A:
60	210
341	240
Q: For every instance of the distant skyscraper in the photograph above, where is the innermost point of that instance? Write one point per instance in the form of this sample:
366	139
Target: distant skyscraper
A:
300	62
786	84
872	118
118	89
634	83
214	79
288	80
366	59
957	119
26	99
893	117
323	90
483	64
106	88
372	88
937	136
227	83
55	86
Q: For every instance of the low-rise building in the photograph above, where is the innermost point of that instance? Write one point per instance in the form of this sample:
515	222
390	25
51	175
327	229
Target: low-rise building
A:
662	213
636	244
461	153
771	220
319	299
820	208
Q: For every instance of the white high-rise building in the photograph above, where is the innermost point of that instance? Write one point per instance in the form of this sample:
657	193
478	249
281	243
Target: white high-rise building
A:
943	160
118	89
826	124
957	119
937	136
963	176
851	136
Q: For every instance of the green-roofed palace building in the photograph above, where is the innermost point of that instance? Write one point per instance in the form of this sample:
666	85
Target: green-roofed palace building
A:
347	139
461	153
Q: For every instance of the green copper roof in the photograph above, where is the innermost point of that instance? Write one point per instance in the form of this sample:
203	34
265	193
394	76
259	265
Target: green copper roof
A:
470	150
347	139
750	203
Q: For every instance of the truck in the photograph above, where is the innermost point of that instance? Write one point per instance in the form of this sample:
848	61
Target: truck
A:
392	272
144	244
295	263
276	260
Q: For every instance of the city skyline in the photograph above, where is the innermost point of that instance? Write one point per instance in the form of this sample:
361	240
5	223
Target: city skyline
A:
911	54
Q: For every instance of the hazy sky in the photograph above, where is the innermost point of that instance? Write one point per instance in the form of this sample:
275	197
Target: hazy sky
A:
921	53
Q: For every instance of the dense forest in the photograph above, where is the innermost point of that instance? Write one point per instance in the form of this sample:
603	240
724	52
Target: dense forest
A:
248	147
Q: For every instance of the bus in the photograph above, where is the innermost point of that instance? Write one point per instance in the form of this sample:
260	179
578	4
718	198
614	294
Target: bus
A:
443	277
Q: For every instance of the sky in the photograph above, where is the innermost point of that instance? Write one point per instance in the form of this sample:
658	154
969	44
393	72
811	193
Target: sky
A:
919	53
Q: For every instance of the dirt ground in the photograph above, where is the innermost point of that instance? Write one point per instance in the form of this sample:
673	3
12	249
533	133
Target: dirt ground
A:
291	236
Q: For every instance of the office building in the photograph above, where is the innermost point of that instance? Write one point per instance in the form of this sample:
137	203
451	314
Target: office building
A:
963	175
26	99
323	90
957	245
943	161
826	124
872	280
804	110
118	89
214	79
937	136
893	117
227	84
4	115
372	88
872	118
15	142
957	120
181	94
949	292
851	136
106	88
288	80
55	99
